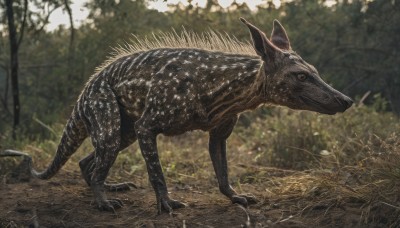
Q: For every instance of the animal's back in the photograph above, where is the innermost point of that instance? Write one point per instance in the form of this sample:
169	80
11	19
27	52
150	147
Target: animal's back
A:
179	85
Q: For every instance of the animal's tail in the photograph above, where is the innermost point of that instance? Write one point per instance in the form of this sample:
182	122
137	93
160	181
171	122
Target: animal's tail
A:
73	136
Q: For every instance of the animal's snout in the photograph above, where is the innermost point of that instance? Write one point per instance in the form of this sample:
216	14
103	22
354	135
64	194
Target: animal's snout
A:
344	101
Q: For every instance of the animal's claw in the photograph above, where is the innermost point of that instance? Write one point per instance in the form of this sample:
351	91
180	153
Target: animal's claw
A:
244	199
168	205
110	205
126	186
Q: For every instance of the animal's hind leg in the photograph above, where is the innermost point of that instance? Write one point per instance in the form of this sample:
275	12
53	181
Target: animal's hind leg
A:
104	158
87	166
104	125
128	137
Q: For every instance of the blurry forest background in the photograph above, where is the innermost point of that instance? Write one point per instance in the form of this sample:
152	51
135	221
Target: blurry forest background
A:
354	44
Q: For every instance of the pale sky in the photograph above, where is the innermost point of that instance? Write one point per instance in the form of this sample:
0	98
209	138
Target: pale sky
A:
162	6
80	13
58	17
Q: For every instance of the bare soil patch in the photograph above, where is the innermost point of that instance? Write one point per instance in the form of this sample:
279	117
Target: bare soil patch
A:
66	201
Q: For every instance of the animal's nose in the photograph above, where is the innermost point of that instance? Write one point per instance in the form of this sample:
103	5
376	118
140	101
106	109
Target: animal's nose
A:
348	102
345	101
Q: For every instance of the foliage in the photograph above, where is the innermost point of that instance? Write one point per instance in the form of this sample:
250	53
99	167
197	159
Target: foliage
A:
303	140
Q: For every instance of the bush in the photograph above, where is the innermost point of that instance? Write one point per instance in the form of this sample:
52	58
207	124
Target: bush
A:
302	140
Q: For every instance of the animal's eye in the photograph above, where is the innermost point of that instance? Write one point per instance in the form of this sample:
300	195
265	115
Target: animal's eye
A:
302	77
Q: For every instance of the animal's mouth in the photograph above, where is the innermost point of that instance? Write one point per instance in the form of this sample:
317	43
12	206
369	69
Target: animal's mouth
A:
316	106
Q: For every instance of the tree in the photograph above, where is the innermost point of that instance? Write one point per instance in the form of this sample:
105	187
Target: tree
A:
14	46
21	20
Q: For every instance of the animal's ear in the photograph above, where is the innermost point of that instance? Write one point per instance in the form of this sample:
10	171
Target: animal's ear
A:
279	37
262	45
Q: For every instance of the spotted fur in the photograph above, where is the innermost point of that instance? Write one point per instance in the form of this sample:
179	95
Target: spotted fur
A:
176	84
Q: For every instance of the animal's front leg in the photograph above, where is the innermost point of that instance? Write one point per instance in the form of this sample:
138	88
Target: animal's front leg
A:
148	146
217	149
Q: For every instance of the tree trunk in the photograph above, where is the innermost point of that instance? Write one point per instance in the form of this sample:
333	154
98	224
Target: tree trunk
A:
71	47
14	64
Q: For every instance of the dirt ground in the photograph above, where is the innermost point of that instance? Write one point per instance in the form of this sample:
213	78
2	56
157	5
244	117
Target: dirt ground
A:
66	201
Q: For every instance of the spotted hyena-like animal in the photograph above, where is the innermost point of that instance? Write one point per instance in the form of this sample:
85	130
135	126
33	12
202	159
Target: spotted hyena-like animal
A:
180	83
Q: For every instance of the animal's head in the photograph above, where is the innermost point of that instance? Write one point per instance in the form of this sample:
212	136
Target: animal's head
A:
291	81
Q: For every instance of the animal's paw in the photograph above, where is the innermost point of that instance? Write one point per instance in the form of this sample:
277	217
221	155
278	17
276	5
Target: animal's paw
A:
126	186
110	205
167	204
244	199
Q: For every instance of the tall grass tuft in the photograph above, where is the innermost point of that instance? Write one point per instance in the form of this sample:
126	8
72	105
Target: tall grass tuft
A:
304	140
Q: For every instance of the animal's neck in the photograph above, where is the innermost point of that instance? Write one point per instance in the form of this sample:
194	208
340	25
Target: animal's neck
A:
243	87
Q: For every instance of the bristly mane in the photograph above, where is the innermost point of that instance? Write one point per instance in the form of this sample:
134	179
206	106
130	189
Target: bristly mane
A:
212	41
